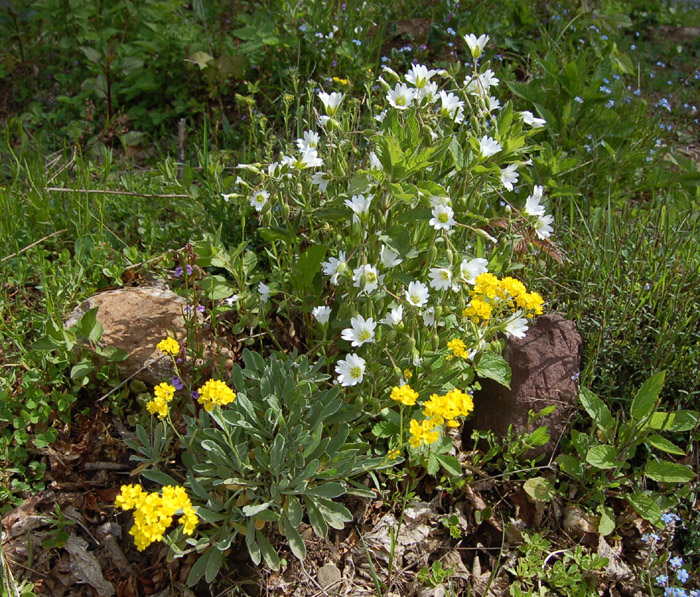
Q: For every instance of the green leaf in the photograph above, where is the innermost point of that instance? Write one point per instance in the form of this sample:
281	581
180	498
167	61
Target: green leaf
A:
607	521
494	366
296	543
539	437
681	420
328	490
81	370
213	565
602	456
294	511
253	509
91	54
159	477
571	465
308	265
318	523
645	400
597	410
450	464
277	233
661	443
433	464
268	552
385	429
646	508
336	515
201	59
216	287
664	471
539	488
200	567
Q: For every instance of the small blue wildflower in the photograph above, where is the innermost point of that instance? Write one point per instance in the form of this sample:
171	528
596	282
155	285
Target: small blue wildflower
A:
637	92
669	82
201	308
451	31
587	147
605	89
606	80
633	47
682	575
669	517
686	105
578	99
652	75
628	100
576	376
357	42
616	77
647	537
663	103
177	382
653	535
662	580
661	64
676	562
451	44
658	142
302	28
610	103
385	59
604	37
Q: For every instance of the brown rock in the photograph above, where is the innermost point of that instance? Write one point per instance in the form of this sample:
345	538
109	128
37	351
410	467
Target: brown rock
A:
545	369
136	319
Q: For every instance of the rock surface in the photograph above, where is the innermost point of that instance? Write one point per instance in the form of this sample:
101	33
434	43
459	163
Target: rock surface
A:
545	368
136	319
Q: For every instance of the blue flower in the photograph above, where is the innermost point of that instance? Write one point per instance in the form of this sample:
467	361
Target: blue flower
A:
676	562
682	575
669	517
578	99
662	580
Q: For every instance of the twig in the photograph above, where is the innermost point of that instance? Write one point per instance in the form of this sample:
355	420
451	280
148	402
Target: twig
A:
41	240
122	384
110	192
105	466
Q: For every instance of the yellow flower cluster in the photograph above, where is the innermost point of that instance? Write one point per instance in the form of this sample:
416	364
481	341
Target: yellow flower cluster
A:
154	513
163	393
405	395
446	409
491	293
169	346
215	392
422	432
458	348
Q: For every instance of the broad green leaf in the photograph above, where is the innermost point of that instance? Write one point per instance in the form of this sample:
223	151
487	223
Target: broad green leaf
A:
494	366
159	477
539	437
664	471
216	287
213	565
433	464
681	420
91	54
318	523
294	511
276	233
450	464
251	543
645	400
540	489
647	508
81	370
200	567
336	515
268	552
607	521
308	265
201	59
571	465
253	509
597	410
661	443
385	429
328	490
296	543
602	456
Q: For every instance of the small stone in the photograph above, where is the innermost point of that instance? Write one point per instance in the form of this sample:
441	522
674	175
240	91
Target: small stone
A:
328	574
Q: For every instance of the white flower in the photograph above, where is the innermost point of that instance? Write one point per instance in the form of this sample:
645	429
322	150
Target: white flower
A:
322	314
476	45
436	200
264	291
374	163
419	75
335	267
393	317
273	169
532	203
331	101
310	139
480	84
469	270
509	176
259	199
429	316
428	94
361	331
451	107
401	96
417	360
529	118
493	103
389	257
323	120
543	228
227	196
371	278
489	146
381	116
417	294
321	180
309	159
359	204
440	278
442	217
230	300
516	326
350	370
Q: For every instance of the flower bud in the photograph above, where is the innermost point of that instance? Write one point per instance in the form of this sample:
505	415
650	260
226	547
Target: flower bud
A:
436	341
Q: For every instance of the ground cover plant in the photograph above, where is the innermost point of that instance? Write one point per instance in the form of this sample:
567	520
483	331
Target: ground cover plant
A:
368	205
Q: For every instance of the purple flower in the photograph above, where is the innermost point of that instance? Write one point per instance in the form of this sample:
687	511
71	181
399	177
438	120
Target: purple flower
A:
195	394
177	382
201	308
178	272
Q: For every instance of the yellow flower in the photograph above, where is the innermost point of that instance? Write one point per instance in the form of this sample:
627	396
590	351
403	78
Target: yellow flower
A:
393	454
341	81
215	392
458	348
169	346
407	373
154	513
447	408
164	393
405	395
488	285
478	309
422	432
531	301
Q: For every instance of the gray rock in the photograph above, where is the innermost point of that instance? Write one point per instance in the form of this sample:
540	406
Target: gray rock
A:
545	369
328	575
